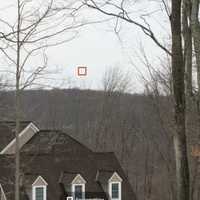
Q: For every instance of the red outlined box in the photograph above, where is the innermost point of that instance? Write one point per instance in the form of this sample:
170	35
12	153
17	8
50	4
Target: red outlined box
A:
82	71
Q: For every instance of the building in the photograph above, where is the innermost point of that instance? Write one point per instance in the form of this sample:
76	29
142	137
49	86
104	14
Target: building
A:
56	166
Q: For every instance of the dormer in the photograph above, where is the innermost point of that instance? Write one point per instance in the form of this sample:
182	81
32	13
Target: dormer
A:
39	189
115	187
73	184
78	187
111	182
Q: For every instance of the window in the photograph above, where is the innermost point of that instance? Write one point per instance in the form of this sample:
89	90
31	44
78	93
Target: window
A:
39	193
115	191
78	191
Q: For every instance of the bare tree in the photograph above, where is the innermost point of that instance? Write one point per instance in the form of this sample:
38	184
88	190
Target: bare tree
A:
36	28
118	10
115	80
180	141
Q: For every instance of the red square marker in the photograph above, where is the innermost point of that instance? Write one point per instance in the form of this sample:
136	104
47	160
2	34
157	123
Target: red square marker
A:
82	71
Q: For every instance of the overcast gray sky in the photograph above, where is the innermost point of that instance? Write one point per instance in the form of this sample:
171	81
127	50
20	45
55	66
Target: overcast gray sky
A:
97	47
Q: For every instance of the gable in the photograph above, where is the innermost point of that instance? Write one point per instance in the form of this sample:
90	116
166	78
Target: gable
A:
39	181
115	178
60	142
78	180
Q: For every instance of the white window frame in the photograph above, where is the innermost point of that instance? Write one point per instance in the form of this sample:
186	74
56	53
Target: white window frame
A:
39	186
120	189
83	189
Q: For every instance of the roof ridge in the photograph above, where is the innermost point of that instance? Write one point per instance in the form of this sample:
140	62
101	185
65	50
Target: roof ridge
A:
65	133
77	141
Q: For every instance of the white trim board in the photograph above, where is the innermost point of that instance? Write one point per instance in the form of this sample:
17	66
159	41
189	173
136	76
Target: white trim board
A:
40	177
117	175
3	193
80	178
24	131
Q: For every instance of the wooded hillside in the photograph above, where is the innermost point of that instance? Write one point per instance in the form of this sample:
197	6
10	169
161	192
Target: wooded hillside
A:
133	126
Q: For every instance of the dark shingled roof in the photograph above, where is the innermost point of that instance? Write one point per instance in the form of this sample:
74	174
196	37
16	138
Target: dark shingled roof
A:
46	141
103	176
58	158
7	131
67	177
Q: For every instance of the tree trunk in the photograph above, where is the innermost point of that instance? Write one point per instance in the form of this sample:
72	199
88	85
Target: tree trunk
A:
187	36
180	142
17	109
196	41
196	38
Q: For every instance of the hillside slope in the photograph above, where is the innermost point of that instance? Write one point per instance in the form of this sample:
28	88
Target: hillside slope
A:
130	125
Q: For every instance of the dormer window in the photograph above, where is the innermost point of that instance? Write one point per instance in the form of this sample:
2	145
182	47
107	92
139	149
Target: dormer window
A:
39	189
115	184
78	191
78	187
39	193
115	190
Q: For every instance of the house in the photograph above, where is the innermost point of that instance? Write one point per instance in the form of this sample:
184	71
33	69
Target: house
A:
56	166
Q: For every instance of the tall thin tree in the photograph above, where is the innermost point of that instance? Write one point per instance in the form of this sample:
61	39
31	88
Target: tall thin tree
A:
29	36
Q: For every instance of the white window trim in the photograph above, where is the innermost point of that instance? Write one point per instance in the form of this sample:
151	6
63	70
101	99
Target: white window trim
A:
83	189
110	190
115	174
39	186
